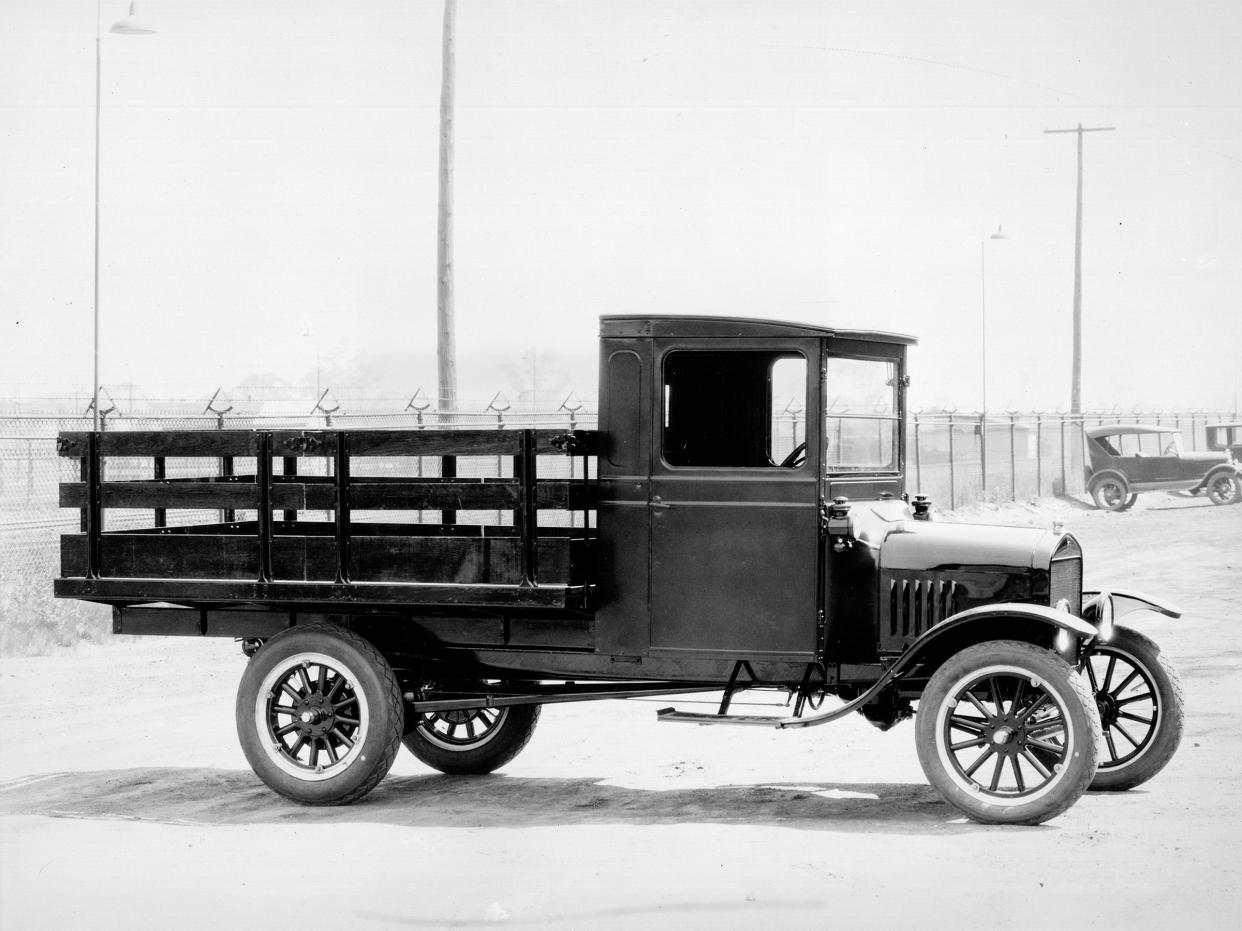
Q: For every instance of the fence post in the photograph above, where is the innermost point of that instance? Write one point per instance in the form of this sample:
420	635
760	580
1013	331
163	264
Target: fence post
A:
1013	456
983	456
952	475
1039	455
918	465
1064	475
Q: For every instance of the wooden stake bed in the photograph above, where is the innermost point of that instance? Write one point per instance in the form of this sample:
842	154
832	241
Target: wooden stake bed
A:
294	561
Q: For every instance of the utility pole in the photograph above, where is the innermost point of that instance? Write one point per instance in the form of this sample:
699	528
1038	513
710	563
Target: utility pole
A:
1076	385
446	350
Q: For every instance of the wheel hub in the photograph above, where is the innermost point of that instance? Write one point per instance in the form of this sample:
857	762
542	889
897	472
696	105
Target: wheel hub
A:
314	716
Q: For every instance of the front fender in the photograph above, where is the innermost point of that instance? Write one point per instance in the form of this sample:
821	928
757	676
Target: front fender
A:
1078	629
1225	468
1062	620
1103	608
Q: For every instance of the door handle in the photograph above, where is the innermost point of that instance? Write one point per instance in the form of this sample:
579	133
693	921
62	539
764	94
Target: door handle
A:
658	502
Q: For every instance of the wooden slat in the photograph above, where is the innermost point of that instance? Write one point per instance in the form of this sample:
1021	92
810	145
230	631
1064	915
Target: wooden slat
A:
213	591
398	442
149	494
170	443
365	494
386	558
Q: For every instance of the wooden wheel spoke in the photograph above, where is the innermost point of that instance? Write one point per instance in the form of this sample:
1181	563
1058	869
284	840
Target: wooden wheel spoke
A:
970	725
979	762
1035	762
1135	717
1124	682
988	716
1126	734
997	772
1108	673
964	744
1035	706
1146	696
1017	773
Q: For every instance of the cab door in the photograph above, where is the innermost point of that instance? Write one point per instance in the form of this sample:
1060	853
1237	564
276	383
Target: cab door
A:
735	494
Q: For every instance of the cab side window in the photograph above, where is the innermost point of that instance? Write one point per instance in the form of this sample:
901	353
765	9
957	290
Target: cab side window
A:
734	409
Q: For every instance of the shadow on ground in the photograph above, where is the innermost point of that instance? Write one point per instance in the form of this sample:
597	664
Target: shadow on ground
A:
222	797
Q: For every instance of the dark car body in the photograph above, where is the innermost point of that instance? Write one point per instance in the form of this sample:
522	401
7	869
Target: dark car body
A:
1126	459
1225	437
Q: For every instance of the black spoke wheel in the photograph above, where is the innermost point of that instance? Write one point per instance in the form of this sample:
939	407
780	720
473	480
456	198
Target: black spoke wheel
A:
1139	698
1111	494
470	741
1007	733
319	715
1224	489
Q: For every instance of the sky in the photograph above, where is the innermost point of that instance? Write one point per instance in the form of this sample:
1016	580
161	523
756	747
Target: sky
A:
268	183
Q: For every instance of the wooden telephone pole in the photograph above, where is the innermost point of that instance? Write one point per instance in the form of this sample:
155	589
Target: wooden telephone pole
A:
1076	386
446	349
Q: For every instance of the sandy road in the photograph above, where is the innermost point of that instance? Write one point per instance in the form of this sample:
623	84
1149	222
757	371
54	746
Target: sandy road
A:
125	802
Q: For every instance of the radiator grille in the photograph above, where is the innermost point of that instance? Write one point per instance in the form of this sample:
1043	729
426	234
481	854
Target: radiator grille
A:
915	605
1065	581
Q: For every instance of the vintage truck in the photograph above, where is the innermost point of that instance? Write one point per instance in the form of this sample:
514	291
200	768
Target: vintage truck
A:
694	544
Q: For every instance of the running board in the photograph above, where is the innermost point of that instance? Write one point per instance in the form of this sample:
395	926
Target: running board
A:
700	717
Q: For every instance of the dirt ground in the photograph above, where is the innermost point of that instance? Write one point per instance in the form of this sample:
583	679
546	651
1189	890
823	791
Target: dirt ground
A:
125	801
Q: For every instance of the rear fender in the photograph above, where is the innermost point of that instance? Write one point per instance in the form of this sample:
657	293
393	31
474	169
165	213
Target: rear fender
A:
1108	473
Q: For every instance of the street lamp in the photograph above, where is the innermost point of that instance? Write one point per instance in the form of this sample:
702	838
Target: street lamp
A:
131	25
983	312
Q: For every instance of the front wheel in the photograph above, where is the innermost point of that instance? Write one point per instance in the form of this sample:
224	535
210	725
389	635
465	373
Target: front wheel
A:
319	715
1224	489
1139	697
1007	732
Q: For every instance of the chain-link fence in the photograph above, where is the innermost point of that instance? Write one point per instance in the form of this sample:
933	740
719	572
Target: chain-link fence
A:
955	458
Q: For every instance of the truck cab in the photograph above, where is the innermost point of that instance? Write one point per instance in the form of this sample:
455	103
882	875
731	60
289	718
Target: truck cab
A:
723	445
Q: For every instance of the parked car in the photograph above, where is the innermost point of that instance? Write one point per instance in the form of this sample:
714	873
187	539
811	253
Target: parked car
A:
1225	437
1125	459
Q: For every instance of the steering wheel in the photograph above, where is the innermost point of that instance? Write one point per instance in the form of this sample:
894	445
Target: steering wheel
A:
1170	450
796	457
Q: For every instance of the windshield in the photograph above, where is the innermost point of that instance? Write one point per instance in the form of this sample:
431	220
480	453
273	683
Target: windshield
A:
861	415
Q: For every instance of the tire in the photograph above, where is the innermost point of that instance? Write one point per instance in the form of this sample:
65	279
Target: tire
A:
1111	494
1139	698
491	738
1023	706
1130	502
1224	489
315	692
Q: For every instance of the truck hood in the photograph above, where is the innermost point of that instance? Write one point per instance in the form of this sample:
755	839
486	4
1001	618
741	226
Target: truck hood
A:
925	546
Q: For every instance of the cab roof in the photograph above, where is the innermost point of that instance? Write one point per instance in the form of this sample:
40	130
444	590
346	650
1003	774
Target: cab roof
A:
1122	429
688	325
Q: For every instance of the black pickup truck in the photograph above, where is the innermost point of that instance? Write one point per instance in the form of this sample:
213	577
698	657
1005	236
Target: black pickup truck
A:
387	595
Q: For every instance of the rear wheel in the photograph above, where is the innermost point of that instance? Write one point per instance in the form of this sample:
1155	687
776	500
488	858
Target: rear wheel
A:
1007	732
319	715
1139	698
1224	489
471	741
1111	494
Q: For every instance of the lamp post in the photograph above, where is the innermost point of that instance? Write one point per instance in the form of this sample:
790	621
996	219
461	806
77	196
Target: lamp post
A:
131	25
983	313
